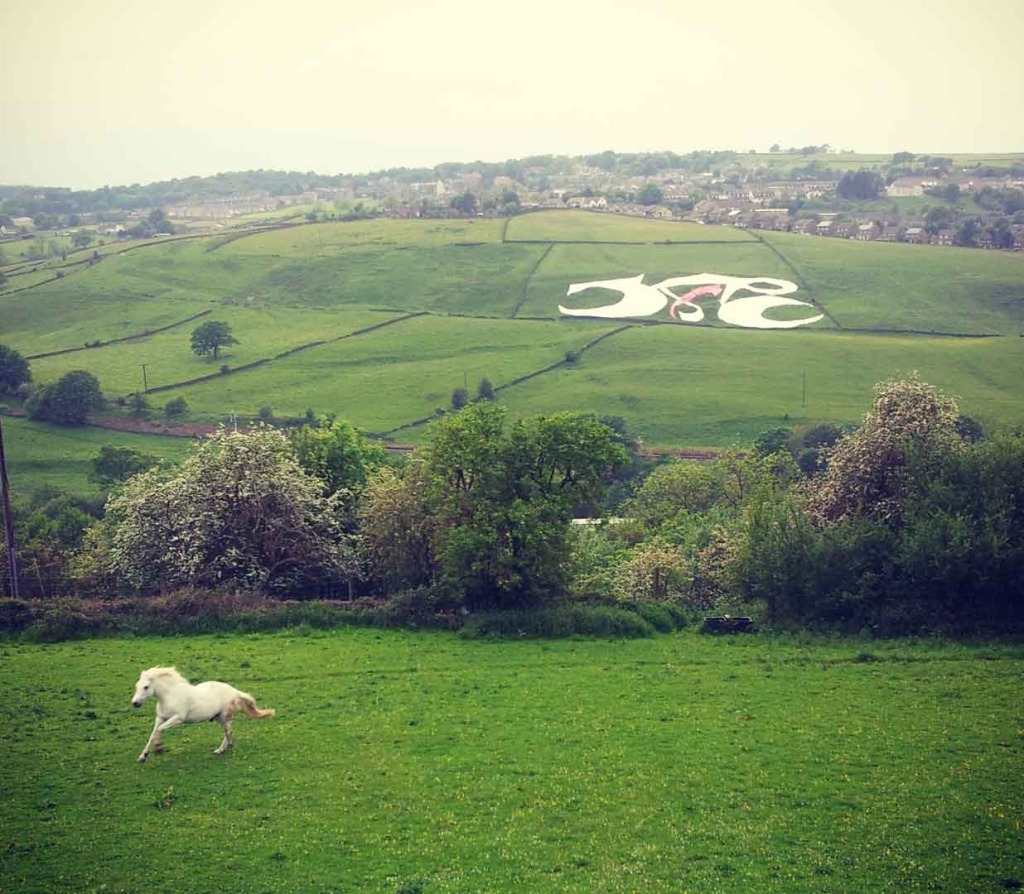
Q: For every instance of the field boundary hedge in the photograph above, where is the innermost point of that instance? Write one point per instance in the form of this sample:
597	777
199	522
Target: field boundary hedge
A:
192	612
529	279
126	338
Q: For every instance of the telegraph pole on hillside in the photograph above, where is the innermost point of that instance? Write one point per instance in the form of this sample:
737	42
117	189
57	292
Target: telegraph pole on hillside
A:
5	497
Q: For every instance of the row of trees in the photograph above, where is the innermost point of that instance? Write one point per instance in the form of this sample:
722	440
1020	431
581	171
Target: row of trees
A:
912	521
480	517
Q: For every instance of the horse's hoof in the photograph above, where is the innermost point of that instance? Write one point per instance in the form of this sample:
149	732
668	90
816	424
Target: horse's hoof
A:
142	759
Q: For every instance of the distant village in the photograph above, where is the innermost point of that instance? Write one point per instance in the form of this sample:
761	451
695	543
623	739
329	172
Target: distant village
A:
796	206
921	200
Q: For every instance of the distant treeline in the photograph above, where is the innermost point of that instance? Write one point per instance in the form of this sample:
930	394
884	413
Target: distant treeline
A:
28	201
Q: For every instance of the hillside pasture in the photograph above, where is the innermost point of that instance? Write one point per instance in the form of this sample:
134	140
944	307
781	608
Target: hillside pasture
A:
403	762
326	239
483	280
703	386
262	333
43	457
567	264
874	285
383	379
493	312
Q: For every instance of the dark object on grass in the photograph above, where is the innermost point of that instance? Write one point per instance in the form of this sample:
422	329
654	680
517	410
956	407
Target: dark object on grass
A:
725	624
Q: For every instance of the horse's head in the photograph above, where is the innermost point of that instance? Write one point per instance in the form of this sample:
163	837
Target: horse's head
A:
150	679
143	689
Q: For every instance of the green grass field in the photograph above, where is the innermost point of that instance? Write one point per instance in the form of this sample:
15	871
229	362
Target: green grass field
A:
489	291
51	456
720	387
396	374
402	762
262	333
888	286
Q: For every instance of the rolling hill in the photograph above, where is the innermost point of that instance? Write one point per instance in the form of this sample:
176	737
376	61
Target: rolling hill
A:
379	320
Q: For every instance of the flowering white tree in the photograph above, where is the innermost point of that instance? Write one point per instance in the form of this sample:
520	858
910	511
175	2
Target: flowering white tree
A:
866	473
240	510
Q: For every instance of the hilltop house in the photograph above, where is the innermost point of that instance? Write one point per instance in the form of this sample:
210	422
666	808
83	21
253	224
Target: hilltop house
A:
905	187
588	203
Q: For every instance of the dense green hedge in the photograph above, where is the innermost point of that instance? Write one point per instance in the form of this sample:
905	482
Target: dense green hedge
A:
202	611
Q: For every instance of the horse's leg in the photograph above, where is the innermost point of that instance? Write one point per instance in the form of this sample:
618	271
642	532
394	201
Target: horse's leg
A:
161	725
225	721
155	739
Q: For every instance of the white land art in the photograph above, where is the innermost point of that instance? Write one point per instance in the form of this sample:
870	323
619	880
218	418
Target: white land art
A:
741	301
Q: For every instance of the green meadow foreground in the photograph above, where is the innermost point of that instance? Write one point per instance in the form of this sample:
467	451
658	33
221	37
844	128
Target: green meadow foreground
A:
413	762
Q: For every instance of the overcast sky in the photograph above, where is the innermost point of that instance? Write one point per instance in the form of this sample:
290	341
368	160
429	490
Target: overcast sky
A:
116	92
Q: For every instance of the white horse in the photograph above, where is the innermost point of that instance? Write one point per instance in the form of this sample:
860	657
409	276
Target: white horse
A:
178	702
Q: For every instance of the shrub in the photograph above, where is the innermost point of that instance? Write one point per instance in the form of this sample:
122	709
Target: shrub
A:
140	406
69	400
15	615
485	390
175	407
559	621
663	616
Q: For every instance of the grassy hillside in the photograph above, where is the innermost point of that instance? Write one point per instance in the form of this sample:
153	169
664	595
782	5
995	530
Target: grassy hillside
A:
719	387
50	456
467	299
405	762
391	376
923	287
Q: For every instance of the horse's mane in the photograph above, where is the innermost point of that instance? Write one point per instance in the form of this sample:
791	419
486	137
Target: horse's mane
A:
165	672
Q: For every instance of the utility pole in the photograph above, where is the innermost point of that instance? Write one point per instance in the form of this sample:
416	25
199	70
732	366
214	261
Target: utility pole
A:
5	497
145	384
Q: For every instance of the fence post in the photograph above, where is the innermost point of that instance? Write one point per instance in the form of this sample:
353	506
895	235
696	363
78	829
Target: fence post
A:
5	496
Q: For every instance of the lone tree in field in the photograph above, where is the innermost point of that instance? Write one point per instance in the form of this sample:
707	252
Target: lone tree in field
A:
211	337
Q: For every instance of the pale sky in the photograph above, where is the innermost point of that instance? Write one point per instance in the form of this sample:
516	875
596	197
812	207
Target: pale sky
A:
116	92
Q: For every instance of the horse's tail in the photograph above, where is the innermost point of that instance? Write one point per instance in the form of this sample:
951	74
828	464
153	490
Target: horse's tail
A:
250	708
